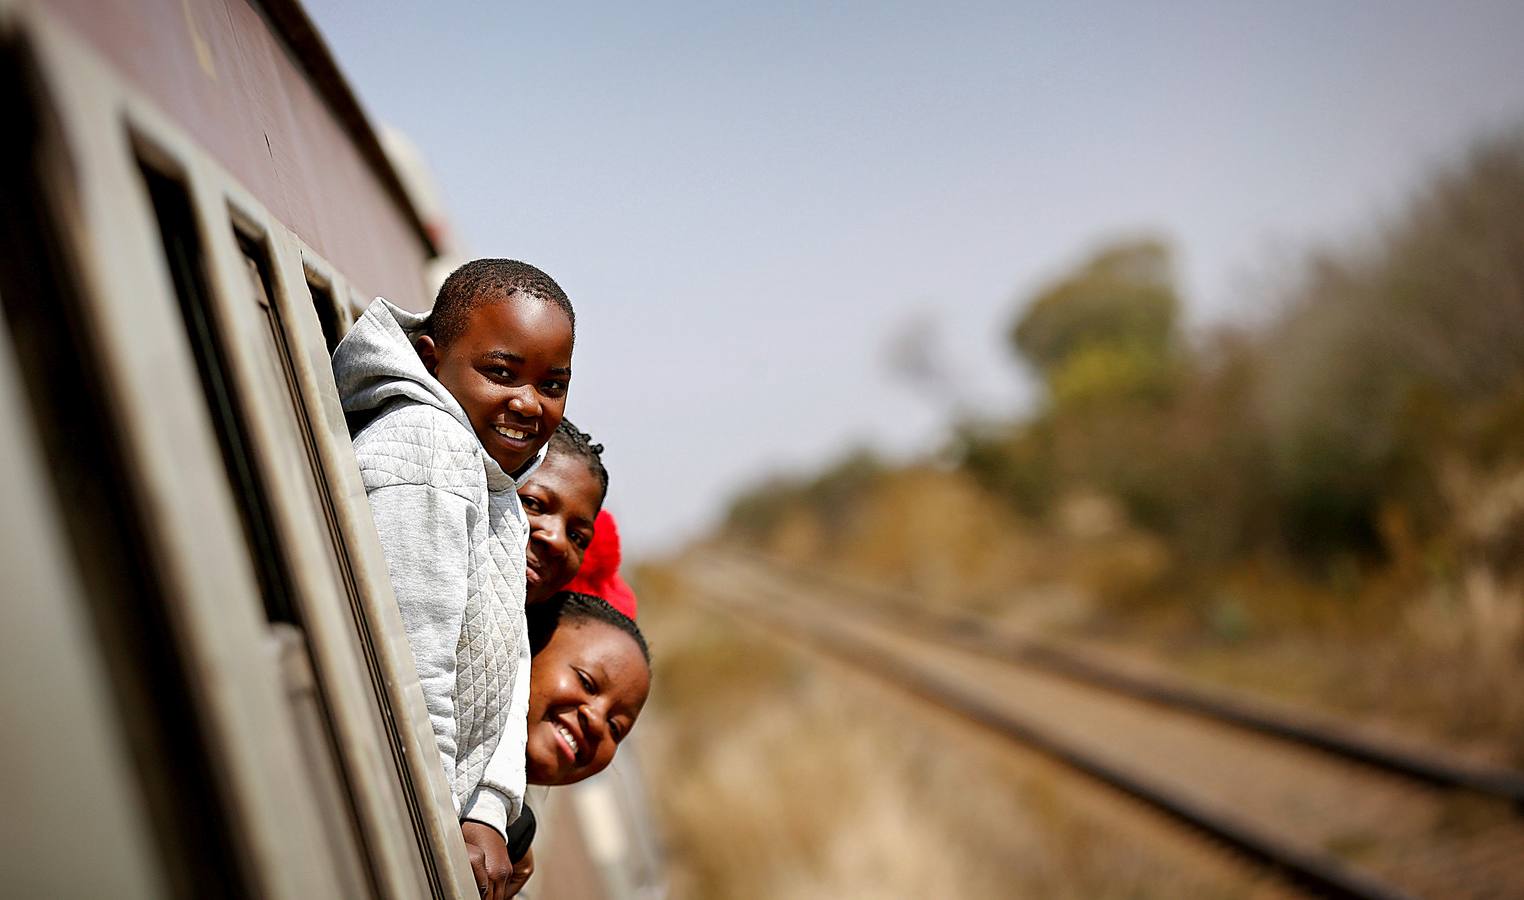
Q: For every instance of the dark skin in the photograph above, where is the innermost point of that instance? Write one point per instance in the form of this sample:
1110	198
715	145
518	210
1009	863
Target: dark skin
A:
522	870
587	686
510	370
561	499
496	877
591	679
490	865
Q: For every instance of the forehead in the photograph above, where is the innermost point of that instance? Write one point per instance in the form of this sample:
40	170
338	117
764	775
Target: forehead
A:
589	642
568	477
519	324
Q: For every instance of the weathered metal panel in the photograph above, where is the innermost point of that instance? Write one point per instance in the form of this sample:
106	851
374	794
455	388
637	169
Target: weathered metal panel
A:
279	119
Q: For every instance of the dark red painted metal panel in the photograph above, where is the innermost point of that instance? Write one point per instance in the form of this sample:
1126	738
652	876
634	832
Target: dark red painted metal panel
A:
281	124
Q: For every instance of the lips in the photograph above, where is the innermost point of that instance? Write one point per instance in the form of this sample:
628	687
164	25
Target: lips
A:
568	737
569	741
516	435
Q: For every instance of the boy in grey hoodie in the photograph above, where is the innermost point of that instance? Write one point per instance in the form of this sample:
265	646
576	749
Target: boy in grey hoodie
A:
450	414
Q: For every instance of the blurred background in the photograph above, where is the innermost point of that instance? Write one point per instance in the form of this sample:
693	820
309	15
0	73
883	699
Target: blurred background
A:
1189	334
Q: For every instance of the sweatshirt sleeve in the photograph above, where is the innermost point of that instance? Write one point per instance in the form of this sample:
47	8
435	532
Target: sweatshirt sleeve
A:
500	797
424	535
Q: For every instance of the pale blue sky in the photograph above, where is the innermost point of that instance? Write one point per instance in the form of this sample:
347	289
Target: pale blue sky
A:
745	203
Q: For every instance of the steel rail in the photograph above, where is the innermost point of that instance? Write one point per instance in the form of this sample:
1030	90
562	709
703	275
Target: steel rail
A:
1317	872
1429	766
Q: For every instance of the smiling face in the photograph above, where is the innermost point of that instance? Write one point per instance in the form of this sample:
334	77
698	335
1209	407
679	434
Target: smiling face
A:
562	498
586	688
510	370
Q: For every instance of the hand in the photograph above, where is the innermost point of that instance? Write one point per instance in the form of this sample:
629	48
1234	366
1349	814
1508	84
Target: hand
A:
488	853
521	872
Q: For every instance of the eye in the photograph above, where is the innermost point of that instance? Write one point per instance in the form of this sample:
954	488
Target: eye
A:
499	373
530	503
619	729
553	388
581	539
587	682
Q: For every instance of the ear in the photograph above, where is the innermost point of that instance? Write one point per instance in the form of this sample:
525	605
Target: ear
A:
427	352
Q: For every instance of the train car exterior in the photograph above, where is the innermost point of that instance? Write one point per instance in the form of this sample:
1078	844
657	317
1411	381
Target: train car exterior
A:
207	686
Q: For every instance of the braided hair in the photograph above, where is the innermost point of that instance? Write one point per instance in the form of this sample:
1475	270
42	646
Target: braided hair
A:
484	281
569	606
573	441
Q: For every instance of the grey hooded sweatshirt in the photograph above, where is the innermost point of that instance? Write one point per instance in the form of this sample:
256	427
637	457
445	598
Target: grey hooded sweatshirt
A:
454	535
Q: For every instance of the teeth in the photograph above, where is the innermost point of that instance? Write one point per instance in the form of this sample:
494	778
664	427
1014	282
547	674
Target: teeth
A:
511	433
569	739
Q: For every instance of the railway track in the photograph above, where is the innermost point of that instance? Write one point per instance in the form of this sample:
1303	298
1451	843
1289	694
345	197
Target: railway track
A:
1320	731
1333	811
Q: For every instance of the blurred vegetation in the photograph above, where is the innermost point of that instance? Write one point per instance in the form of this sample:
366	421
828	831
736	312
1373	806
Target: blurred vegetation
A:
1351	468
1107	332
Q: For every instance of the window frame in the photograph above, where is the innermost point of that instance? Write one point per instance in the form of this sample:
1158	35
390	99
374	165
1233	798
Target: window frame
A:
360	662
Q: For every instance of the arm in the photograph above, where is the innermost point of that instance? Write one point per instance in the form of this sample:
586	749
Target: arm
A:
523	870
423	534
500	796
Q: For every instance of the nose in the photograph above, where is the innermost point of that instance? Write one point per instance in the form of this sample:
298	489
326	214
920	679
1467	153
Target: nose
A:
595	724
548	530
525	402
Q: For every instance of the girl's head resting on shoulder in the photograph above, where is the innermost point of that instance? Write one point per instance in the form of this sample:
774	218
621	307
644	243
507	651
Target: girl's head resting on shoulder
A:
590	677
500	341
562	499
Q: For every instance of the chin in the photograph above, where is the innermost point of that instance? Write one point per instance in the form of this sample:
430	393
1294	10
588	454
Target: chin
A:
509	466
537	774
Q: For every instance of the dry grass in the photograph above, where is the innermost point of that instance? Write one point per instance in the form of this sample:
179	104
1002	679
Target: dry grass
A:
779	776
1431	675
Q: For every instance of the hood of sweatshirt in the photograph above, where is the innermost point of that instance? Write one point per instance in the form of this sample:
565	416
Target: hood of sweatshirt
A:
375	365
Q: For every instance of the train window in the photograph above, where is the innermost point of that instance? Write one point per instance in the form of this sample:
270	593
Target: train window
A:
277	352
279	319
327	310
281	358
306	409
294	600
183	252
304	689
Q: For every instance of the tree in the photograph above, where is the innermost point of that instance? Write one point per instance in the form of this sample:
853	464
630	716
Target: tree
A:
1106	330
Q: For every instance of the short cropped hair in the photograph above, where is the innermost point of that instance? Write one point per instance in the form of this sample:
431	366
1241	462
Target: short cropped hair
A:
570	606
484	281
574	442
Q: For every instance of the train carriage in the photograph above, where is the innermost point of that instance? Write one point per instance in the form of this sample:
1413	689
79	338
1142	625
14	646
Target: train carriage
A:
207	684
